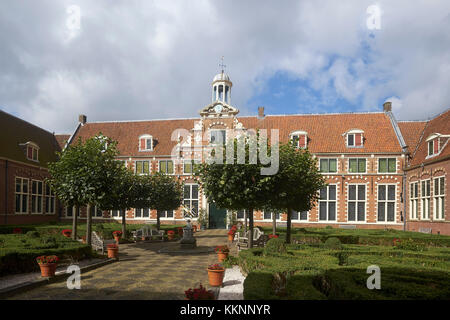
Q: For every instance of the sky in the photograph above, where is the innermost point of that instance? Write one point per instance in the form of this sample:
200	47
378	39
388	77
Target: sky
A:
132	60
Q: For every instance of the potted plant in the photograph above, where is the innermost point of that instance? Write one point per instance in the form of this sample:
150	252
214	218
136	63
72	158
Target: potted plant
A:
170	234
113	251
83	239
47	265
271	236
231	235
215	275
67	233
199	293
117	235
222	252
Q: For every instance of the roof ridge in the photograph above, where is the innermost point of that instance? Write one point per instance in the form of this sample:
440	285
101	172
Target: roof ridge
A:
420	139
31	124
314	114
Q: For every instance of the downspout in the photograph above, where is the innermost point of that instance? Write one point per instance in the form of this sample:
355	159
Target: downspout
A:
6	192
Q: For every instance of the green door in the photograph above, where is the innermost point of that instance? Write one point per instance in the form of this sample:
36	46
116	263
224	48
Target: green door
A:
217	217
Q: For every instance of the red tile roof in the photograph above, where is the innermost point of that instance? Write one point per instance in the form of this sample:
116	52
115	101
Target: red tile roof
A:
325	132
62	139
439	124
411	132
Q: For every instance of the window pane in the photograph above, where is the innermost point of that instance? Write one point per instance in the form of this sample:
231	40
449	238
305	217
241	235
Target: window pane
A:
162	166
18	185
381	192
145	212
351	211
392	165
428	188
353	165
169	167
294	215
391	192
333	165
33	187
170	214
322	211
361	192
323	193
441	185
332	211
187	192
194	191
323	165
351	138
188	167
138	166
137	213
304	215
382	165
149	144
381	210
361	211
361	165
267	215
331	192
430	148
24	185
146	167
391	211
240	214
17	203
352	192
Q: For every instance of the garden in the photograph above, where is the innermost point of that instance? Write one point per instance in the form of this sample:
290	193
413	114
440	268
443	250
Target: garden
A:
332	264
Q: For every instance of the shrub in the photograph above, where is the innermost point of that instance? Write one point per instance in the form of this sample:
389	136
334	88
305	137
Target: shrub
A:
409	244
275	246
258	286
333	243
32	234
328	227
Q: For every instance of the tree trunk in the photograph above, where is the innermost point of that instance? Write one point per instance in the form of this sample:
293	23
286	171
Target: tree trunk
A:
250	225
245	220
288	225
158	221
124	223
89	225
75	210
274	223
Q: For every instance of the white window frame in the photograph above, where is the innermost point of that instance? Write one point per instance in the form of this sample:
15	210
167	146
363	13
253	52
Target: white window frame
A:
143	173
413	201
94	216
243	216
120	216
193	162
439	198
299	215
72	209
356	200
38	196
357	165
387	164
142	214
34	147
299	133
173	166
328	159
146	137
353	132
165	215
271	216
386	201
327	201
51	198
425	200
21	195
190	199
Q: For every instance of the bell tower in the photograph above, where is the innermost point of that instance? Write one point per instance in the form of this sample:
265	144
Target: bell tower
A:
221	87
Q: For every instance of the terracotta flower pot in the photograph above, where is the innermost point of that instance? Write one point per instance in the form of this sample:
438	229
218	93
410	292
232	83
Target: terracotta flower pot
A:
216	277
117	238
170	236
222	256
113	253
48	269
230	237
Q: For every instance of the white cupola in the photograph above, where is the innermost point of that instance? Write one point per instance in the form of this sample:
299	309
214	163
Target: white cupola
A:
221	88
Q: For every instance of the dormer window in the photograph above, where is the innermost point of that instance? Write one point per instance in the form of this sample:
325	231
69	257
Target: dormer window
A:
434	143
355	138
32	151
299	139
432	147
146	143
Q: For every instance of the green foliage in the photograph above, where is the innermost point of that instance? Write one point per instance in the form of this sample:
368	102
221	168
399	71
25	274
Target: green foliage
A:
333	243
32	234
410	244
275	246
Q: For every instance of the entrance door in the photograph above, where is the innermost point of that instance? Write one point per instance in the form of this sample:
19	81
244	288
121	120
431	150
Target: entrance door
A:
217	217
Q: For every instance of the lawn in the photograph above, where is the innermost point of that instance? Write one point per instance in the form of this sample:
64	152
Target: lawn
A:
417	267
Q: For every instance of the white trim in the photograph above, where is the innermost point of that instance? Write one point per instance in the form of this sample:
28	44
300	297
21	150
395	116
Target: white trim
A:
386	201
21	193
357	165
387	164
414	200
328	201
356	200
438	198
146	137
426	199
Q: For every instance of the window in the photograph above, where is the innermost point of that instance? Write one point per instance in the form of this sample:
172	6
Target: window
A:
70	211
357	165
295	215
32	151
21	195
166	166
327	203
146	143
36	196
96	212
438	201
190	166
425	192
167	214
240	214
142	213
190	198
413	200
218	136
386	203
142	167
356	205
269	215
299	139
355	138
49	201
430	147
328	165
387	165
117	213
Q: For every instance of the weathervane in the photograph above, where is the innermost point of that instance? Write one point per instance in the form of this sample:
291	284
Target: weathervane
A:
221	64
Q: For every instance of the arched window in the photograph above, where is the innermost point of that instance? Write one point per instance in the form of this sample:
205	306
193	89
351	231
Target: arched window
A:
300	139
32	150
145	142
354	138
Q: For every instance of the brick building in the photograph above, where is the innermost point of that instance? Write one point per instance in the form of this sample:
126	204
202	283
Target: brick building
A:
25	151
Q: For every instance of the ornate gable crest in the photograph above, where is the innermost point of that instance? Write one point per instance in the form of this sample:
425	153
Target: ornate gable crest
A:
218	109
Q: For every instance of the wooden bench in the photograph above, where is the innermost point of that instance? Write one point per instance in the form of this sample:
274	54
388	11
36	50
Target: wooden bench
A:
100	244
259	239
147	232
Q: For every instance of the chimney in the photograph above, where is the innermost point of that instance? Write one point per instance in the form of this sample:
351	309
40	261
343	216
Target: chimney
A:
82	119
260	112
387	106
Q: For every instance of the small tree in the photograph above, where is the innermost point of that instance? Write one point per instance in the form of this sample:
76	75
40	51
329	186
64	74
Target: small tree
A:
84	175
165	193
296	184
